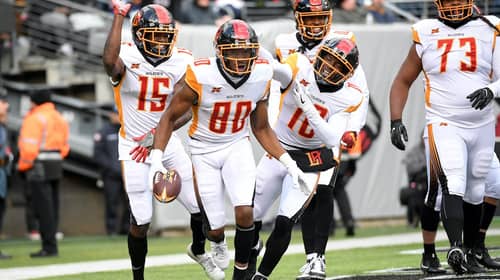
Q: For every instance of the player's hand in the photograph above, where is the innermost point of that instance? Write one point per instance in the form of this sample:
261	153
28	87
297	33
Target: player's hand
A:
348	139
398	129
120	7
302	99
298	177
156	166
480	98
144	145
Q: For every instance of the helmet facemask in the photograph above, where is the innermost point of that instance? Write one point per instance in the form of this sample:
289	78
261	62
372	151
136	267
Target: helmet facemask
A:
332	67
237	59
157	42
314	25
454	10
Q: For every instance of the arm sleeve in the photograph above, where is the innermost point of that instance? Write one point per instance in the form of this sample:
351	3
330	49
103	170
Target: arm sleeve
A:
357	119
329	131
495	86
282	73
29	142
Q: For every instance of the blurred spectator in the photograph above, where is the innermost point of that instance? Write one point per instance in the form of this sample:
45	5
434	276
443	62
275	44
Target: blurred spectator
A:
229	9
348	11
5	159
198	12
106	156
413	195
43	144
380	13
56	25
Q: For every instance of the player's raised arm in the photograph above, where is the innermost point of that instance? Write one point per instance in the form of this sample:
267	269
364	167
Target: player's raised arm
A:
112	63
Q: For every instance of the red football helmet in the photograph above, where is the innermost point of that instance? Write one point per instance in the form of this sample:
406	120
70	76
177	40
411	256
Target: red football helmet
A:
336	60
154	31
313	18
454	10
236	47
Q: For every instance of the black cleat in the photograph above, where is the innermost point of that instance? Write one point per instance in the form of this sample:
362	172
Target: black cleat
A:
430	264
471	264
43	254
456	260
259	277
252	261
483	257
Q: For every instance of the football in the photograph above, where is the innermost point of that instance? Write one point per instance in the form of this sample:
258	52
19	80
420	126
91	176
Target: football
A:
166	186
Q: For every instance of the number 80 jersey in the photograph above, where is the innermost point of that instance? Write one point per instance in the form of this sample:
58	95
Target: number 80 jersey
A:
221	115
455	63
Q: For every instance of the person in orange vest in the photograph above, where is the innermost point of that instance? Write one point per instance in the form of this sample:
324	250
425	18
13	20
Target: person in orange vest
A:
43	144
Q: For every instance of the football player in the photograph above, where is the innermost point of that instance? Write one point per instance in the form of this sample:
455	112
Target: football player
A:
460	62
144	74
312	120
313	19
227	95
479	254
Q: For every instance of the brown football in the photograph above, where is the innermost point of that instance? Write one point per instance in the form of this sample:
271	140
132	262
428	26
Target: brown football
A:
166	186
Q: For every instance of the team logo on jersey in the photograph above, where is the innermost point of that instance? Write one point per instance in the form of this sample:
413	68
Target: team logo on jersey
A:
134	66
216	89
314	158
304	82
435	30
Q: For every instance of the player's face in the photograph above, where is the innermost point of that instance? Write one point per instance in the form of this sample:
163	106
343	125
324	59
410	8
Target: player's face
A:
239	60
332	69
454	10
314	24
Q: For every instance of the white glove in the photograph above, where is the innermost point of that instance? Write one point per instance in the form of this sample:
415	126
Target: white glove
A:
298	177
302	99
120	7
156	156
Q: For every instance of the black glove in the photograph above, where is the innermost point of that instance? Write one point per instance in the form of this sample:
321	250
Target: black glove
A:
398	129
480	98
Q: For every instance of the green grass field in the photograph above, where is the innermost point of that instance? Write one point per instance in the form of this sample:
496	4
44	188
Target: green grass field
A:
339	262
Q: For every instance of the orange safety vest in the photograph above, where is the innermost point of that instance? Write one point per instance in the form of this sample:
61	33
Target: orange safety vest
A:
43	129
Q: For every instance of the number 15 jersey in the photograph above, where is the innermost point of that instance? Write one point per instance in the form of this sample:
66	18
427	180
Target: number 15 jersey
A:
144	92
455	63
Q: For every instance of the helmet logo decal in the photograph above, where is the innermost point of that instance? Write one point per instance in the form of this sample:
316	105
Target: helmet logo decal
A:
240	30
345	46
163	16
136	19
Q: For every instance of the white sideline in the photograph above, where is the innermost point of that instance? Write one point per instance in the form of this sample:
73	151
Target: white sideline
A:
33	272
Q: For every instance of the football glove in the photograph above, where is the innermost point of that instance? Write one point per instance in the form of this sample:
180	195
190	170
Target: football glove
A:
348	139
298	177
144	145
480	98
302	99
398	129
156	156
120	7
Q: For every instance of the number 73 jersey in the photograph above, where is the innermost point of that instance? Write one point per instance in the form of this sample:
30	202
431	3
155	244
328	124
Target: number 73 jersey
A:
455	63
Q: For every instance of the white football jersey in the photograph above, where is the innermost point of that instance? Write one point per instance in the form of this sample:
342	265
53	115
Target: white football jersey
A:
221	115
465	55
144	92
292	128
287	44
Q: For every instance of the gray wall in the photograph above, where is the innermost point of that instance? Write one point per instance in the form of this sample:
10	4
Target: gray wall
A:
375	187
